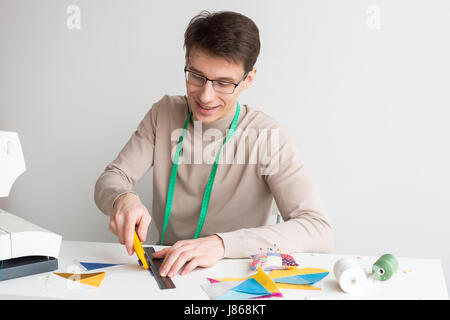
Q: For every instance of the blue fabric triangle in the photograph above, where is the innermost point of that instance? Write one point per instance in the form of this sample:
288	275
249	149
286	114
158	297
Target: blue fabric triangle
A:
314	277
291	280
251	286
302	278
93	265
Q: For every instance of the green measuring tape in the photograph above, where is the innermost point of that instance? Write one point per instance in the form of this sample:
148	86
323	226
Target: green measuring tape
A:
209	185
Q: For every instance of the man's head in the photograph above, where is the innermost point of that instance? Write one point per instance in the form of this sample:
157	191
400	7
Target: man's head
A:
220	46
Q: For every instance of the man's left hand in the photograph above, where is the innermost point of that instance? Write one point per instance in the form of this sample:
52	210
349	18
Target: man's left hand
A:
201	252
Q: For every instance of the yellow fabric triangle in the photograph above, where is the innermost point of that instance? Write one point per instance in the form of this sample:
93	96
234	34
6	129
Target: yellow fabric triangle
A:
294	272
92	279
65	275
265	281
95	280
233	279
296	286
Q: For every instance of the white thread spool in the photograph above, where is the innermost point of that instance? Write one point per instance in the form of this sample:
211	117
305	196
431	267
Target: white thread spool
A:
350	275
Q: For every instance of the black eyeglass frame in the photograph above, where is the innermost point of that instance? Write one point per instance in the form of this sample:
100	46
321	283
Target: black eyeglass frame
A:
212	81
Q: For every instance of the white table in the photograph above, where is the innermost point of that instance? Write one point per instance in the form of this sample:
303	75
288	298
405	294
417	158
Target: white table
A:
415	278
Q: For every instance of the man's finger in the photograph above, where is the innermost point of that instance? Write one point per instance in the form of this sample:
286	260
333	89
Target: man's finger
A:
184	257
170	259
160	254
143	227
113	227
118	225
163	252
194	263
130	226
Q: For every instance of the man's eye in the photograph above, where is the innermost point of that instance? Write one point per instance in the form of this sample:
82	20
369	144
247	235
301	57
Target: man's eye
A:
195	76
223	84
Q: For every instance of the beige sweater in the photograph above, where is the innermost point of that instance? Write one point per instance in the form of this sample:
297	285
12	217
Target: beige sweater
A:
259	164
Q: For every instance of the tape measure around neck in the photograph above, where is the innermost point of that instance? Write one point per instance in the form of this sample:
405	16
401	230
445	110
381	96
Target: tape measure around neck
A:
209	185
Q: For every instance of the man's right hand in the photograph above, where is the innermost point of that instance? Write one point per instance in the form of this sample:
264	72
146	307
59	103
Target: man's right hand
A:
129	215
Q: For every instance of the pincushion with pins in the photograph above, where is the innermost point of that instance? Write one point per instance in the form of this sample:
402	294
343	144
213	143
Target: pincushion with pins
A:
272	259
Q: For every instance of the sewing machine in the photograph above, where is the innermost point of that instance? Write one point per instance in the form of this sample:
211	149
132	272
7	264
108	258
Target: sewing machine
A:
25	248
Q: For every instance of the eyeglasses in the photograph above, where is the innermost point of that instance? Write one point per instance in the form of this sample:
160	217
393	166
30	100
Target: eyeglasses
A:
219	86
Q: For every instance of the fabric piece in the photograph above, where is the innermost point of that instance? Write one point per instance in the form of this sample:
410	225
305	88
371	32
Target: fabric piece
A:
94	265
259	285
297	286
217	289
304	276
251	286
302	279
295	271
92	279
266	281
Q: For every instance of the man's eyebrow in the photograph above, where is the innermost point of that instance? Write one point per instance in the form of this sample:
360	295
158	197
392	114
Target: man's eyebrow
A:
222	78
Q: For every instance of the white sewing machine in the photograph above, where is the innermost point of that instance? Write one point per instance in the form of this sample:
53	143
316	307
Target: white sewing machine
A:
25	248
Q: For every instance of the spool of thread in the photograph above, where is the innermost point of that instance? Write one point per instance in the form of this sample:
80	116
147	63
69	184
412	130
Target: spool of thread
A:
384	267
350	275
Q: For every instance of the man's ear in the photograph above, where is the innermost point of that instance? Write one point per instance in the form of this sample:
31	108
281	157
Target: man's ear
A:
250	78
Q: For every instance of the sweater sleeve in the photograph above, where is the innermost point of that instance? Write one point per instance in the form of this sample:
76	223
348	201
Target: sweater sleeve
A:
306	227
133	161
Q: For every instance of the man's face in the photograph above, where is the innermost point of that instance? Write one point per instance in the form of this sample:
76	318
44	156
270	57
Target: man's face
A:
207	104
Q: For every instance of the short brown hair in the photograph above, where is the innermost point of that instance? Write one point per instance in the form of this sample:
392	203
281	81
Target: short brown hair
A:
227	34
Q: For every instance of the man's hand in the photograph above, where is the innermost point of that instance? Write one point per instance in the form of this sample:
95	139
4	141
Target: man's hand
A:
202	252
129	212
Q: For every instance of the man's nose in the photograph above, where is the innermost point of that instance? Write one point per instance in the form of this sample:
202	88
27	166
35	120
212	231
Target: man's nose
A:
207	92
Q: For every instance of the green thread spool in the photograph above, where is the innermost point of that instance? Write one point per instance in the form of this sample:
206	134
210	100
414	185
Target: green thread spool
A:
384	267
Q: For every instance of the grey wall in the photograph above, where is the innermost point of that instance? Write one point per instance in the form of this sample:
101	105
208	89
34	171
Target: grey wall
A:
362	87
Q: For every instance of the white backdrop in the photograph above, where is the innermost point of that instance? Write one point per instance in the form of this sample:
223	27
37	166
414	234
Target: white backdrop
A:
362	87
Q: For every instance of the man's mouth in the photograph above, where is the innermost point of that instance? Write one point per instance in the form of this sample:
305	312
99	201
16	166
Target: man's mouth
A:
206	109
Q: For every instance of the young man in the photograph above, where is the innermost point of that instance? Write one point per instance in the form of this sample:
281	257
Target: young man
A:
210	198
